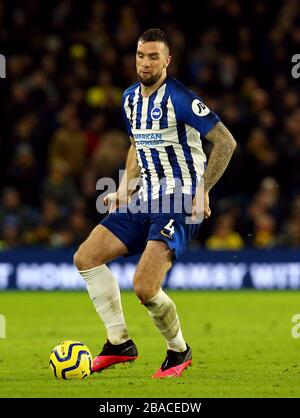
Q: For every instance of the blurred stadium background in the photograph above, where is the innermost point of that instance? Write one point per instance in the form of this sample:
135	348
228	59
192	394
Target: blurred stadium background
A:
62	130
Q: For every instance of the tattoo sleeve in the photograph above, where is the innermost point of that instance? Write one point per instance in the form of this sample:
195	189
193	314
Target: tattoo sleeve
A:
223	147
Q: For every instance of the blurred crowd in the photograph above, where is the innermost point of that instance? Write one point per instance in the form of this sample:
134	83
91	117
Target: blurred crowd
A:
68	62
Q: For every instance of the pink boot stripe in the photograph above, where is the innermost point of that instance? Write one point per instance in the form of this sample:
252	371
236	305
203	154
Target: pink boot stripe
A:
175	371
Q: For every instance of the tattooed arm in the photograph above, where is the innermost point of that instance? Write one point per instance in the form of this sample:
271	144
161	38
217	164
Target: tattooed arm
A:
223	147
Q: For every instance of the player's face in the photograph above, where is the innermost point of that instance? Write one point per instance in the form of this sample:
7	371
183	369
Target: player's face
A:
151	60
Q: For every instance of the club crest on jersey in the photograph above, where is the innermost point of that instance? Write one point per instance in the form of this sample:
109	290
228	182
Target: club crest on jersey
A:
156	113
199	108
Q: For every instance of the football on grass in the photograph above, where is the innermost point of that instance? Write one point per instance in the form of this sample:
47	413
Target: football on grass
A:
71	360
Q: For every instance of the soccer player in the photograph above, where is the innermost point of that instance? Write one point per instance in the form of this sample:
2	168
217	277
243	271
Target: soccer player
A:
166	123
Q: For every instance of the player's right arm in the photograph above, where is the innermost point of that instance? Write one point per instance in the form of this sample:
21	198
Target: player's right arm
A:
128	183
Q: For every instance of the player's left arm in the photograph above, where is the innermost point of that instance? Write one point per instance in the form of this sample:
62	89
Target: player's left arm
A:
223	147
192	111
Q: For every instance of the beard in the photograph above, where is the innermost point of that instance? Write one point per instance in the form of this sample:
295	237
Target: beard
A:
149	81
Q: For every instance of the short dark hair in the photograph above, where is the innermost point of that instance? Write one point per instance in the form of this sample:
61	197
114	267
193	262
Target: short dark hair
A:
155	35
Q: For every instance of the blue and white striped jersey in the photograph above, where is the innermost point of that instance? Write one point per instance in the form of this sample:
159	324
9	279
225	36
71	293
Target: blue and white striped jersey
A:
167	128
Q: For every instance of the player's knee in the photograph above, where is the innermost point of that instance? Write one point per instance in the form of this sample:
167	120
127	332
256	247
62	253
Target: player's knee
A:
142	294
144	291
83	261
78	259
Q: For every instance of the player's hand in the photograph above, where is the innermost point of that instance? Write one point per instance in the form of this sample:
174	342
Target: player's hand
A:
207	211
113	201
199	211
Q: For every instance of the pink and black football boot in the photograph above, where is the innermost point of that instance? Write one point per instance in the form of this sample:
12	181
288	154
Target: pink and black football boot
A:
114	354
174	364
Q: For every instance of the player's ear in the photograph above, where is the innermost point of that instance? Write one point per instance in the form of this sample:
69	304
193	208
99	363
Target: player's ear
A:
167	61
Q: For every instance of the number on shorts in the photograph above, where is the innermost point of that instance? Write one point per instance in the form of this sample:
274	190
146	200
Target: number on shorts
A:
169	227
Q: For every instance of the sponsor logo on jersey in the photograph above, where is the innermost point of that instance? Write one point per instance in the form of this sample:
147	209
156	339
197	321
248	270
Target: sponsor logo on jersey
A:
156	113
148	143
148	139
199	108
150	136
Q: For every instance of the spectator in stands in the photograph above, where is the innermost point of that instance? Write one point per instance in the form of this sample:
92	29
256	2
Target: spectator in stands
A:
68	144
224	237
10	235
93	132
264	235
109	157
23	174
52	218
59	185
290	234
80	227
15	218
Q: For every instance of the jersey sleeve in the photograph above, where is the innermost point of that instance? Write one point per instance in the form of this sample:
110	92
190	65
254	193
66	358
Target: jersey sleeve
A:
191	110
126	120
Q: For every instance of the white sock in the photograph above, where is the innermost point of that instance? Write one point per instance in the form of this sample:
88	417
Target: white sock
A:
104	292
163	311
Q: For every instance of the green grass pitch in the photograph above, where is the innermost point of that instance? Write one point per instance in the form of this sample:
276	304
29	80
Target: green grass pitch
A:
242	346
